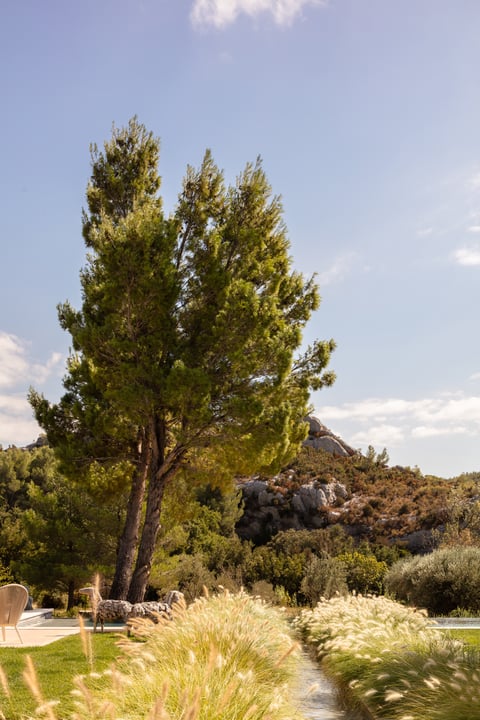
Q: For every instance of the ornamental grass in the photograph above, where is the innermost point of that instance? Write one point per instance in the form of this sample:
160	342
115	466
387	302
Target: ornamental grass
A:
229	656
388	662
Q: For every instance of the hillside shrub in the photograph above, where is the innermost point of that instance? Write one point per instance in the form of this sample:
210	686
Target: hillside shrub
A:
363	573
189	575
331	541
278	569
324	577
441	581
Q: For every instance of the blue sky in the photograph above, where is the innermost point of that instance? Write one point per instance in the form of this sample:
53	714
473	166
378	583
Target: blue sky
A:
367	116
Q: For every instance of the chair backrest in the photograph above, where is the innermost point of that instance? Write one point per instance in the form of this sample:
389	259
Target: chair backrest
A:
13	600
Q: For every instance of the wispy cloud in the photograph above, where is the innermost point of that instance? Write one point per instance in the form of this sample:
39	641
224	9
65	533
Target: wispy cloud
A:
17	371
343	266
446	407
221	13
474	229
474	181
424	232
469	256
426	431
392	422
379	436
17	426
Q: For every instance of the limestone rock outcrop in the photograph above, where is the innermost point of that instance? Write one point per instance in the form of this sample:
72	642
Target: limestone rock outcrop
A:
279	503
270	506
321	438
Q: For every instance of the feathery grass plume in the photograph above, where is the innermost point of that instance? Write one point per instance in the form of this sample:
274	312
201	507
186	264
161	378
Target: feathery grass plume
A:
88	705
385	658
230	654
5	688
30	676
158	711
95	599
86	639
4	683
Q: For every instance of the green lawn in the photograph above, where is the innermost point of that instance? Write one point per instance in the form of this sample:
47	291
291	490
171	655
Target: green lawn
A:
471	637
56	665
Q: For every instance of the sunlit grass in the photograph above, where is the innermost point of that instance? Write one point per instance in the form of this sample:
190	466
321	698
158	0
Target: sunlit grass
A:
56	665
471	637
230	656
386	659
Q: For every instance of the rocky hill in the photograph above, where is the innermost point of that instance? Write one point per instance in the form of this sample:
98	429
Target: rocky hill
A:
330	483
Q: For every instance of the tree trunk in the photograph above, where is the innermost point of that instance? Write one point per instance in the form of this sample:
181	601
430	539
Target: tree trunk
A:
128	543
148	540
162	469
71	594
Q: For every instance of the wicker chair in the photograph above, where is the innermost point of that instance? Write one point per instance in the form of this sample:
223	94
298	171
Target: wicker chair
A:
13	600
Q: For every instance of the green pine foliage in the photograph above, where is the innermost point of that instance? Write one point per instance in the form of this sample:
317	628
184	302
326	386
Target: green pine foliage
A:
186	347
52	528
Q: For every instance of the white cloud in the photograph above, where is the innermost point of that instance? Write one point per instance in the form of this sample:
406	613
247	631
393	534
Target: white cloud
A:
17	372
474	229
12	404
220	13
474	181
379	436
372	408
18	431
40	373
469	256
342	267
475	376
17	426
425	232
426	431
13	366
459	408
398	423
446	408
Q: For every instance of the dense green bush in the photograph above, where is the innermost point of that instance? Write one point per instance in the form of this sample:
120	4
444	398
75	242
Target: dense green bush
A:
5	575
323	578
330	541
364	573
279	569
441	581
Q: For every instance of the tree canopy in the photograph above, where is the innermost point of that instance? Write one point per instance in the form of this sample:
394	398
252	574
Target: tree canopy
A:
185	350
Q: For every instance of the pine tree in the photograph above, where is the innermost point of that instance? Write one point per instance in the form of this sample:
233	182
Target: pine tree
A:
185	345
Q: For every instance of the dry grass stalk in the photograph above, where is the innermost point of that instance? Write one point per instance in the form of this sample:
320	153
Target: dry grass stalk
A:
221	657
95	598
4	683
158	711
31	679
86	639
385	655
293	648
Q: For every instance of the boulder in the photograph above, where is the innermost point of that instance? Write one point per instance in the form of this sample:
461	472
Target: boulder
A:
321	438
